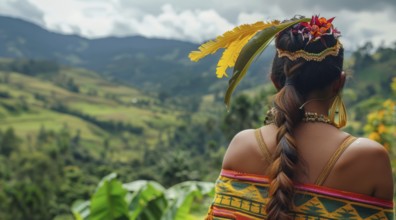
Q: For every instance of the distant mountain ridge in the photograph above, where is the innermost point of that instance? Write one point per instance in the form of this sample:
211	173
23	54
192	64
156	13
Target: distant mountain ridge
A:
149	64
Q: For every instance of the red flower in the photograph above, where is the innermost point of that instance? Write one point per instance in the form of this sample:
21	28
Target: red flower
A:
316	28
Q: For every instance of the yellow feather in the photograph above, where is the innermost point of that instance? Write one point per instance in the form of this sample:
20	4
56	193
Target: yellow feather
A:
225	40
230	55
252	49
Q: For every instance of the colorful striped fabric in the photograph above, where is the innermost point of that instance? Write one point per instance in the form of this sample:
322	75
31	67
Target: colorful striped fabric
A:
244	197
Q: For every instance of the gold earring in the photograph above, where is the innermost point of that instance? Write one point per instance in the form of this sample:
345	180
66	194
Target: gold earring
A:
338	106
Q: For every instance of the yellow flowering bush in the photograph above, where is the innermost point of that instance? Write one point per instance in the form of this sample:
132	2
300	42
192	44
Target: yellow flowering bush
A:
381	124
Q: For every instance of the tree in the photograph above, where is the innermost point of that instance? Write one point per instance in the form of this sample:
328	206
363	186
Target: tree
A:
33	186
245	112
163	96
9	142
363	56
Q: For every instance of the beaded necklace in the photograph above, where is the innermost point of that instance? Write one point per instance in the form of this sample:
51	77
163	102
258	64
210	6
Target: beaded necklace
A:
308	117
315	117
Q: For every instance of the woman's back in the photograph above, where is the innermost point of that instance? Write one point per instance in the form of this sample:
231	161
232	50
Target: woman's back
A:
335	181
363	167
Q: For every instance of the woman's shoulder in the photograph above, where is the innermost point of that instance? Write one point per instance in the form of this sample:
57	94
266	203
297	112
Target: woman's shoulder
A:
246	139
243	153
240	147
242	138
369	160
364	152
368	149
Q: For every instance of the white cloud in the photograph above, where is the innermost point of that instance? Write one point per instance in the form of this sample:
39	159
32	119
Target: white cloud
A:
98	19
22	9
198	21
360	27
91	18
191	25
272	12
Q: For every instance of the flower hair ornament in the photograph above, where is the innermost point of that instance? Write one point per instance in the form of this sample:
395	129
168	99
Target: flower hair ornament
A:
313	31
245	42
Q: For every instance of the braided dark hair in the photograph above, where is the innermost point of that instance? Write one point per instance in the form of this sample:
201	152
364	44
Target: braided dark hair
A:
302	78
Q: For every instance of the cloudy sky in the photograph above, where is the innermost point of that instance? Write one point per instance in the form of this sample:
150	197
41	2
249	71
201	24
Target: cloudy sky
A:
199	20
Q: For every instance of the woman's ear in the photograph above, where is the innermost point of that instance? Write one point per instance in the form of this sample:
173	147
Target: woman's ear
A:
339	84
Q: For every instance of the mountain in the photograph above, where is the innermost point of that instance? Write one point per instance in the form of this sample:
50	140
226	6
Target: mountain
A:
150	64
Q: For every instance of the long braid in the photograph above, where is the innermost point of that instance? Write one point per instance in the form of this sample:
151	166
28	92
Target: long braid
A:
294	80
282	172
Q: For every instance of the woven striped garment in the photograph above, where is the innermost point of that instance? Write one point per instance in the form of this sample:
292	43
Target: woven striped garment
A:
244	197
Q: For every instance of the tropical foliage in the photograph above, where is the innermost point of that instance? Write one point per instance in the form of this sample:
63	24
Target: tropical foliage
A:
141	199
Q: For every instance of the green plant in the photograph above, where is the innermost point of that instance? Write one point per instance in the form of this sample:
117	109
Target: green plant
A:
141	199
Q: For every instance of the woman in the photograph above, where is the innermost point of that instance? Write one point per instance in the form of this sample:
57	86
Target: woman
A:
301	165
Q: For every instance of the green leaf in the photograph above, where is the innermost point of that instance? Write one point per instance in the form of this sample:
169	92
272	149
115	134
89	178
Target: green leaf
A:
249	52
80	209
108	202
146	199
154	209
181	197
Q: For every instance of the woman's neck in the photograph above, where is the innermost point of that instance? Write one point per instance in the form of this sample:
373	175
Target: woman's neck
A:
317	105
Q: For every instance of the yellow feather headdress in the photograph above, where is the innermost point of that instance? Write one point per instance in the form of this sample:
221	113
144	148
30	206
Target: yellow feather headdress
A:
242	45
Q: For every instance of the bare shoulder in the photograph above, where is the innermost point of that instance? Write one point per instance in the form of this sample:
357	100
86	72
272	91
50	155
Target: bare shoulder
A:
242	139
365	152
238	149
243	154
371	159
368	149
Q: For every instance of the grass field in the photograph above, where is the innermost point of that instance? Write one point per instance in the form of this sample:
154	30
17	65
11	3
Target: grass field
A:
28	101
